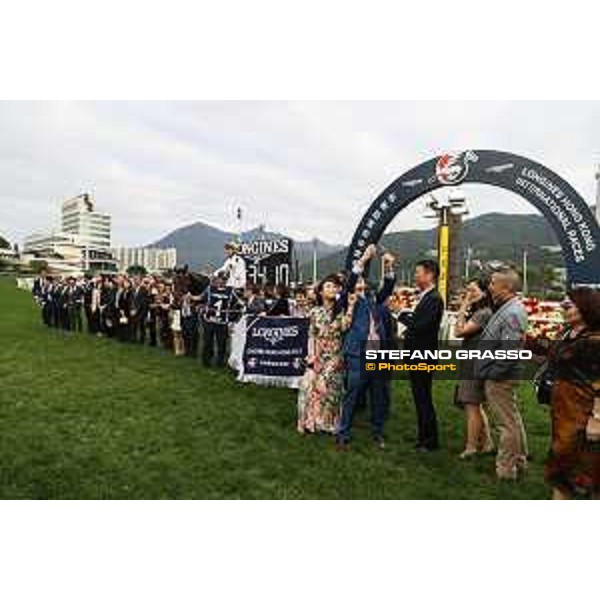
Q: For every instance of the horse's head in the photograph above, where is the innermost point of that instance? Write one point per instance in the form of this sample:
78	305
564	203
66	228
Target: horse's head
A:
197	283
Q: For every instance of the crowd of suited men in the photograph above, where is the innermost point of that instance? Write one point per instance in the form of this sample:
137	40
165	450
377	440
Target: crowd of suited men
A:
176	313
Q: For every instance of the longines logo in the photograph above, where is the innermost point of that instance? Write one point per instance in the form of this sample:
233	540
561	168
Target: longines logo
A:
259	249
274	335
452	167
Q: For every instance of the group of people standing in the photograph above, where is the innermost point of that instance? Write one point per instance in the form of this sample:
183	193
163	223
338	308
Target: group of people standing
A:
491	314
349	313
172	312
346	311
184	313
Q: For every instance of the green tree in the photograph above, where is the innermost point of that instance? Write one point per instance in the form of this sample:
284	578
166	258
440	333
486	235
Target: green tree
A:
4	243
137	270
37	266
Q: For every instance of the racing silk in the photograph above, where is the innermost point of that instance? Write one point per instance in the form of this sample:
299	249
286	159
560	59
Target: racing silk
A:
220	305
234	268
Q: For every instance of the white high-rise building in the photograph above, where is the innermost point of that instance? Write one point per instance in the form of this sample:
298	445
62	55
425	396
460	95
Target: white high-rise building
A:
79	217
81	244
152	259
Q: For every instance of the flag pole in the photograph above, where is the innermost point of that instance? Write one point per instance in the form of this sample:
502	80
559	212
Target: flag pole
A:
238	216
314	273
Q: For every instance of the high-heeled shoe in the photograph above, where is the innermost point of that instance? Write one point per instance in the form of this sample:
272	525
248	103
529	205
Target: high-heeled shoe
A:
467	453
488	448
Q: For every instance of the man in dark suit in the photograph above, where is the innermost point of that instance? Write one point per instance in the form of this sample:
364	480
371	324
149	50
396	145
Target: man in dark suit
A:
61	314
74	298
123	304
422	330
38	286
368	325
216	301
140	305
47	301
107	307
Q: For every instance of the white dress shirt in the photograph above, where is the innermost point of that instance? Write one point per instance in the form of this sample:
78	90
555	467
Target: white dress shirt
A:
234	268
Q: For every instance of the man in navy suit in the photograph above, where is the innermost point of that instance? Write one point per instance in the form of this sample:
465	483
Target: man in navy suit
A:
422	331
368	323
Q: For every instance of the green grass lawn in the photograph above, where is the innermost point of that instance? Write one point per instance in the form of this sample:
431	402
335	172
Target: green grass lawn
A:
82	417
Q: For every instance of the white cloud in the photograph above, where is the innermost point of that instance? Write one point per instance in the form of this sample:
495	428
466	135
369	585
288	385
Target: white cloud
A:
306	168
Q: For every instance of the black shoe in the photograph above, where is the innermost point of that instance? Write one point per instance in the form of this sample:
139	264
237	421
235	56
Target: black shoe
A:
342	446
379	442
426	448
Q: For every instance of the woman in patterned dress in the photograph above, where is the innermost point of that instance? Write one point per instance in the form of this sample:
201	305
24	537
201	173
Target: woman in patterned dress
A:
320	393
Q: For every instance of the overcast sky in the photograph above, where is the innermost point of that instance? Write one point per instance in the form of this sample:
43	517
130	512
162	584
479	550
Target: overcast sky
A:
303	168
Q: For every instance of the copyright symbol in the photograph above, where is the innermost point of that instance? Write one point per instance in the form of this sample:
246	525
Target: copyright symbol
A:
370	366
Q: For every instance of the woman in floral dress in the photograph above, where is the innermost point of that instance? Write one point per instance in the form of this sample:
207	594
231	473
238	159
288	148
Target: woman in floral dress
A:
320	394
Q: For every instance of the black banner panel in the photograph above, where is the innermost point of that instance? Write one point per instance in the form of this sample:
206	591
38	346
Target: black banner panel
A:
268	261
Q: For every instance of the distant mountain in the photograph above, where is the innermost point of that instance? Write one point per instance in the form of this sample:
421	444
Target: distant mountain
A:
200	244
493	236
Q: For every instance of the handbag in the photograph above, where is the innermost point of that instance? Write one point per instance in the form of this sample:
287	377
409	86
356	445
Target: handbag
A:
543	382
